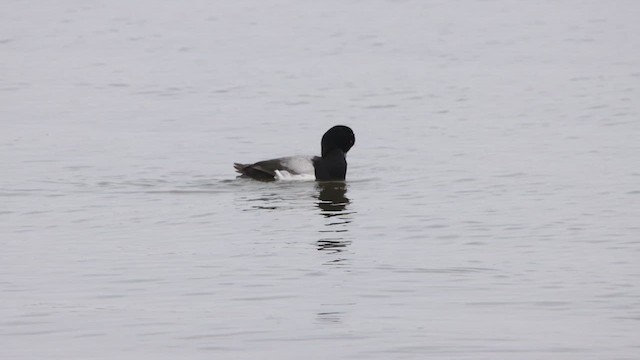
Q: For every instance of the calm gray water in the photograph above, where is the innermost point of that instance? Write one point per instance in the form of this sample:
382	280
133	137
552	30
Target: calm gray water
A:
491	208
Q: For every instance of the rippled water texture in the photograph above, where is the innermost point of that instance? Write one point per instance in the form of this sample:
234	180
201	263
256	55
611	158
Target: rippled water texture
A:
490	212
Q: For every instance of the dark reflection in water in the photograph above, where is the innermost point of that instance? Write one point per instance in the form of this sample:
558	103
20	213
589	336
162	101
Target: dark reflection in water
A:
329	317
333	204
332	199
269	201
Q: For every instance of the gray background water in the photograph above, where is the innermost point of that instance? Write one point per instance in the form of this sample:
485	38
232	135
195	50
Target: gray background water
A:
491	208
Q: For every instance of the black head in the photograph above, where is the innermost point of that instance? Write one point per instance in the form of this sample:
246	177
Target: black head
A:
338	137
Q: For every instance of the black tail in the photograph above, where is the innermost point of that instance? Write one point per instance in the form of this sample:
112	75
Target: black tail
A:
253	171
240	168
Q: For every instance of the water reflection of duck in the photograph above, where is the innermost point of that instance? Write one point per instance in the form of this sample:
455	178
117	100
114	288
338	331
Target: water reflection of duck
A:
331	198
333	203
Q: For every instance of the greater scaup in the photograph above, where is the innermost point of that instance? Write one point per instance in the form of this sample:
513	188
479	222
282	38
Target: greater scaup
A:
332	165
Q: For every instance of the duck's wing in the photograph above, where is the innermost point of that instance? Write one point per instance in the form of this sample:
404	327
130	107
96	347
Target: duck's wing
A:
266	170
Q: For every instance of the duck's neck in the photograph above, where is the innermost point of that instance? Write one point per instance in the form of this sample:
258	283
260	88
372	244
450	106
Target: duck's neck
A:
332	166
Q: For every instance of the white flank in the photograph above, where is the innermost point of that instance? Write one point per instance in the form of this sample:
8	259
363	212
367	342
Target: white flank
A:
299	164
284	175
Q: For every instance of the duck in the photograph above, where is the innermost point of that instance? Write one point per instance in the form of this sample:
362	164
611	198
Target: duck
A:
330	166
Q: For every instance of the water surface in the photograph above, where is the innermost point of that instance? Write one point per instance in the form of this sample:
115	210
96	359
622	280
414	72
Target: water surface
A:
490	212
